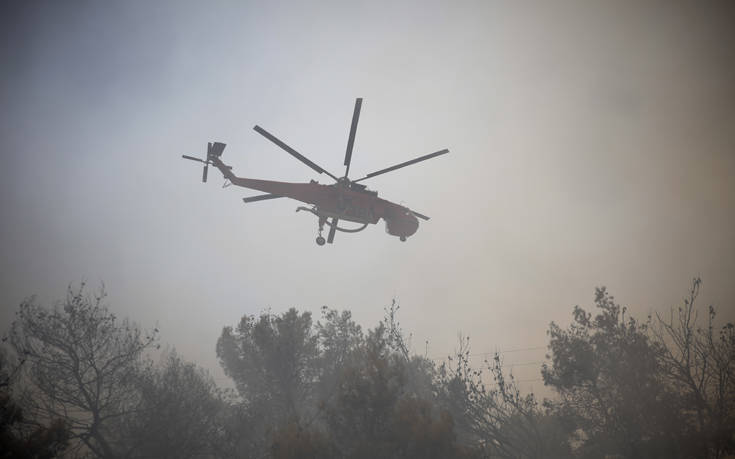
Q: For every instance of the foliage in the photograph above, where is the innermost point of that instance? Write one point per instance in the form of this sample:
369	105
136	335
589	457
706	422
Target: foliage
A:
362	395
24	438
341	341
607	374
498	420
294	441
85	385
271	359
377	413
179	415
81	366
699	368
632	389
91	372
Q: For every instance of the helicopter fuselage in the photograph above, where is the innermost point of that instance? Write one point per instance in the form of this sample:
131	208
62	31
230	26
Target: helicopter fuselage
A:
339	200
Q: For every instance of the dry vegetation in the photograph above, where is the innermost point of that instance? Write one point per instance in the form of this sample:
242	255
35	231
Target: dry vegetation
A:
77	382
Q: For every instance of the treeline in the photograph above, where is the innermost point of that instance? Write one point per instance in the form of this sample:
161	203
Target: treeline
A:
79	382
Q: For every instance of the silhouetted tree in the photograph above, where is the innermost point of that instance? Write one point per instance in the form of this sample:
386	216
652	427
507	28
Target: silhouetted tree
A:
294	441
384	405
358	395
180	413
24	438
608	374
360	411
340	342
328	390
81	365
698	365
494	417
272	360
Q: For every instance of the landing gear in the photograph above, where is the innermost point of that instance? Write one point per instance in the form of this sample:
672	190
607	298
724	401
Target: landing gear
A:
403	238
320	240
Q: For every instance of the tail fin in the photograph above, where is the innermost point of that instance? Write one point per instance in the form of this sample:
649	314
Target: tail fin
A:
215	149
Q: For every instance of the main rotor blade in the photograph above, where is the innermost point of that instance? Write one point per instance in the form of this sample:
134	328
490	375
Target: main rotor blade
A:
407	163
291	151
332	229
353	131
423	217
260	197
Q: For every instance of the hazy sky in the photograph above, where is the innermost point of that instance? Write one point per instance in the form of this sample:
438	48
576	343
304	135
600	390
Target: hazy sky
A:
592	143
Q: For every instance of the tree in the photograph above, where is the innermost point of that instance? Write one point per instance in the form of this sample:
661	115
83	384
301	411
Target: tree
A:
295	441
607	373
272	360
359	395
180	413
699	367
358	414
340	342
384	405
22	438
496	419
81	366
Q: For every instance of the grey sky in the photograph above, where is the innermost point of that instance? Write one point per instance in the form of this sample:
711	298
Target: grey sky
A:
592	143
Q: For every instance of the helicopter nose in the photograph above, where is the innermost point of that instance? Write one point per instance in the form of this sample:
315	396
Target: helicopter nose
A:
403	226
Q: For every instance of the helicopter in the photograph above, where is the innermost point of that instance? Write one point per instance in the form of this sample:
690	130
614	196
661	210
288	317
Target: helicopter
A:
345	199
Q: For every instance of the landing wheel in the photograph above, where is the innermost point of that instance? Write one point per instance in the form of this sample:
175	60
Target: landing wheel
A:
320	240
403	238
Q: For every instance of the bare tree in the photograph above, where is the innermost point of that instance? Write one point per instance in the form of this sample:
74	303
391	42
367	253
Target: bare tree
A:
700	366
81	365
496	418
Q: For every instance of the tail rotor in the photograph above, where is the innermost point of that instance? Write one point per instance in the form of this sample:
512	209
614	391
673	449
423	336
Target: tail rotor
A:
214	150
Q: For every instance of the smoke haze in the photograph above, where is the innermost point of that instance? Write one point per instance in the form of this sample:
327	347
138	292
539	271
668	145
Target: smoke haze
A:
592	143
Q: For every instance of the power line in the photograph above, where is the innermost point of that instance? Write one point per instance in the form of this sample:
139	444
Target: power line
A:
520	364
506	351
